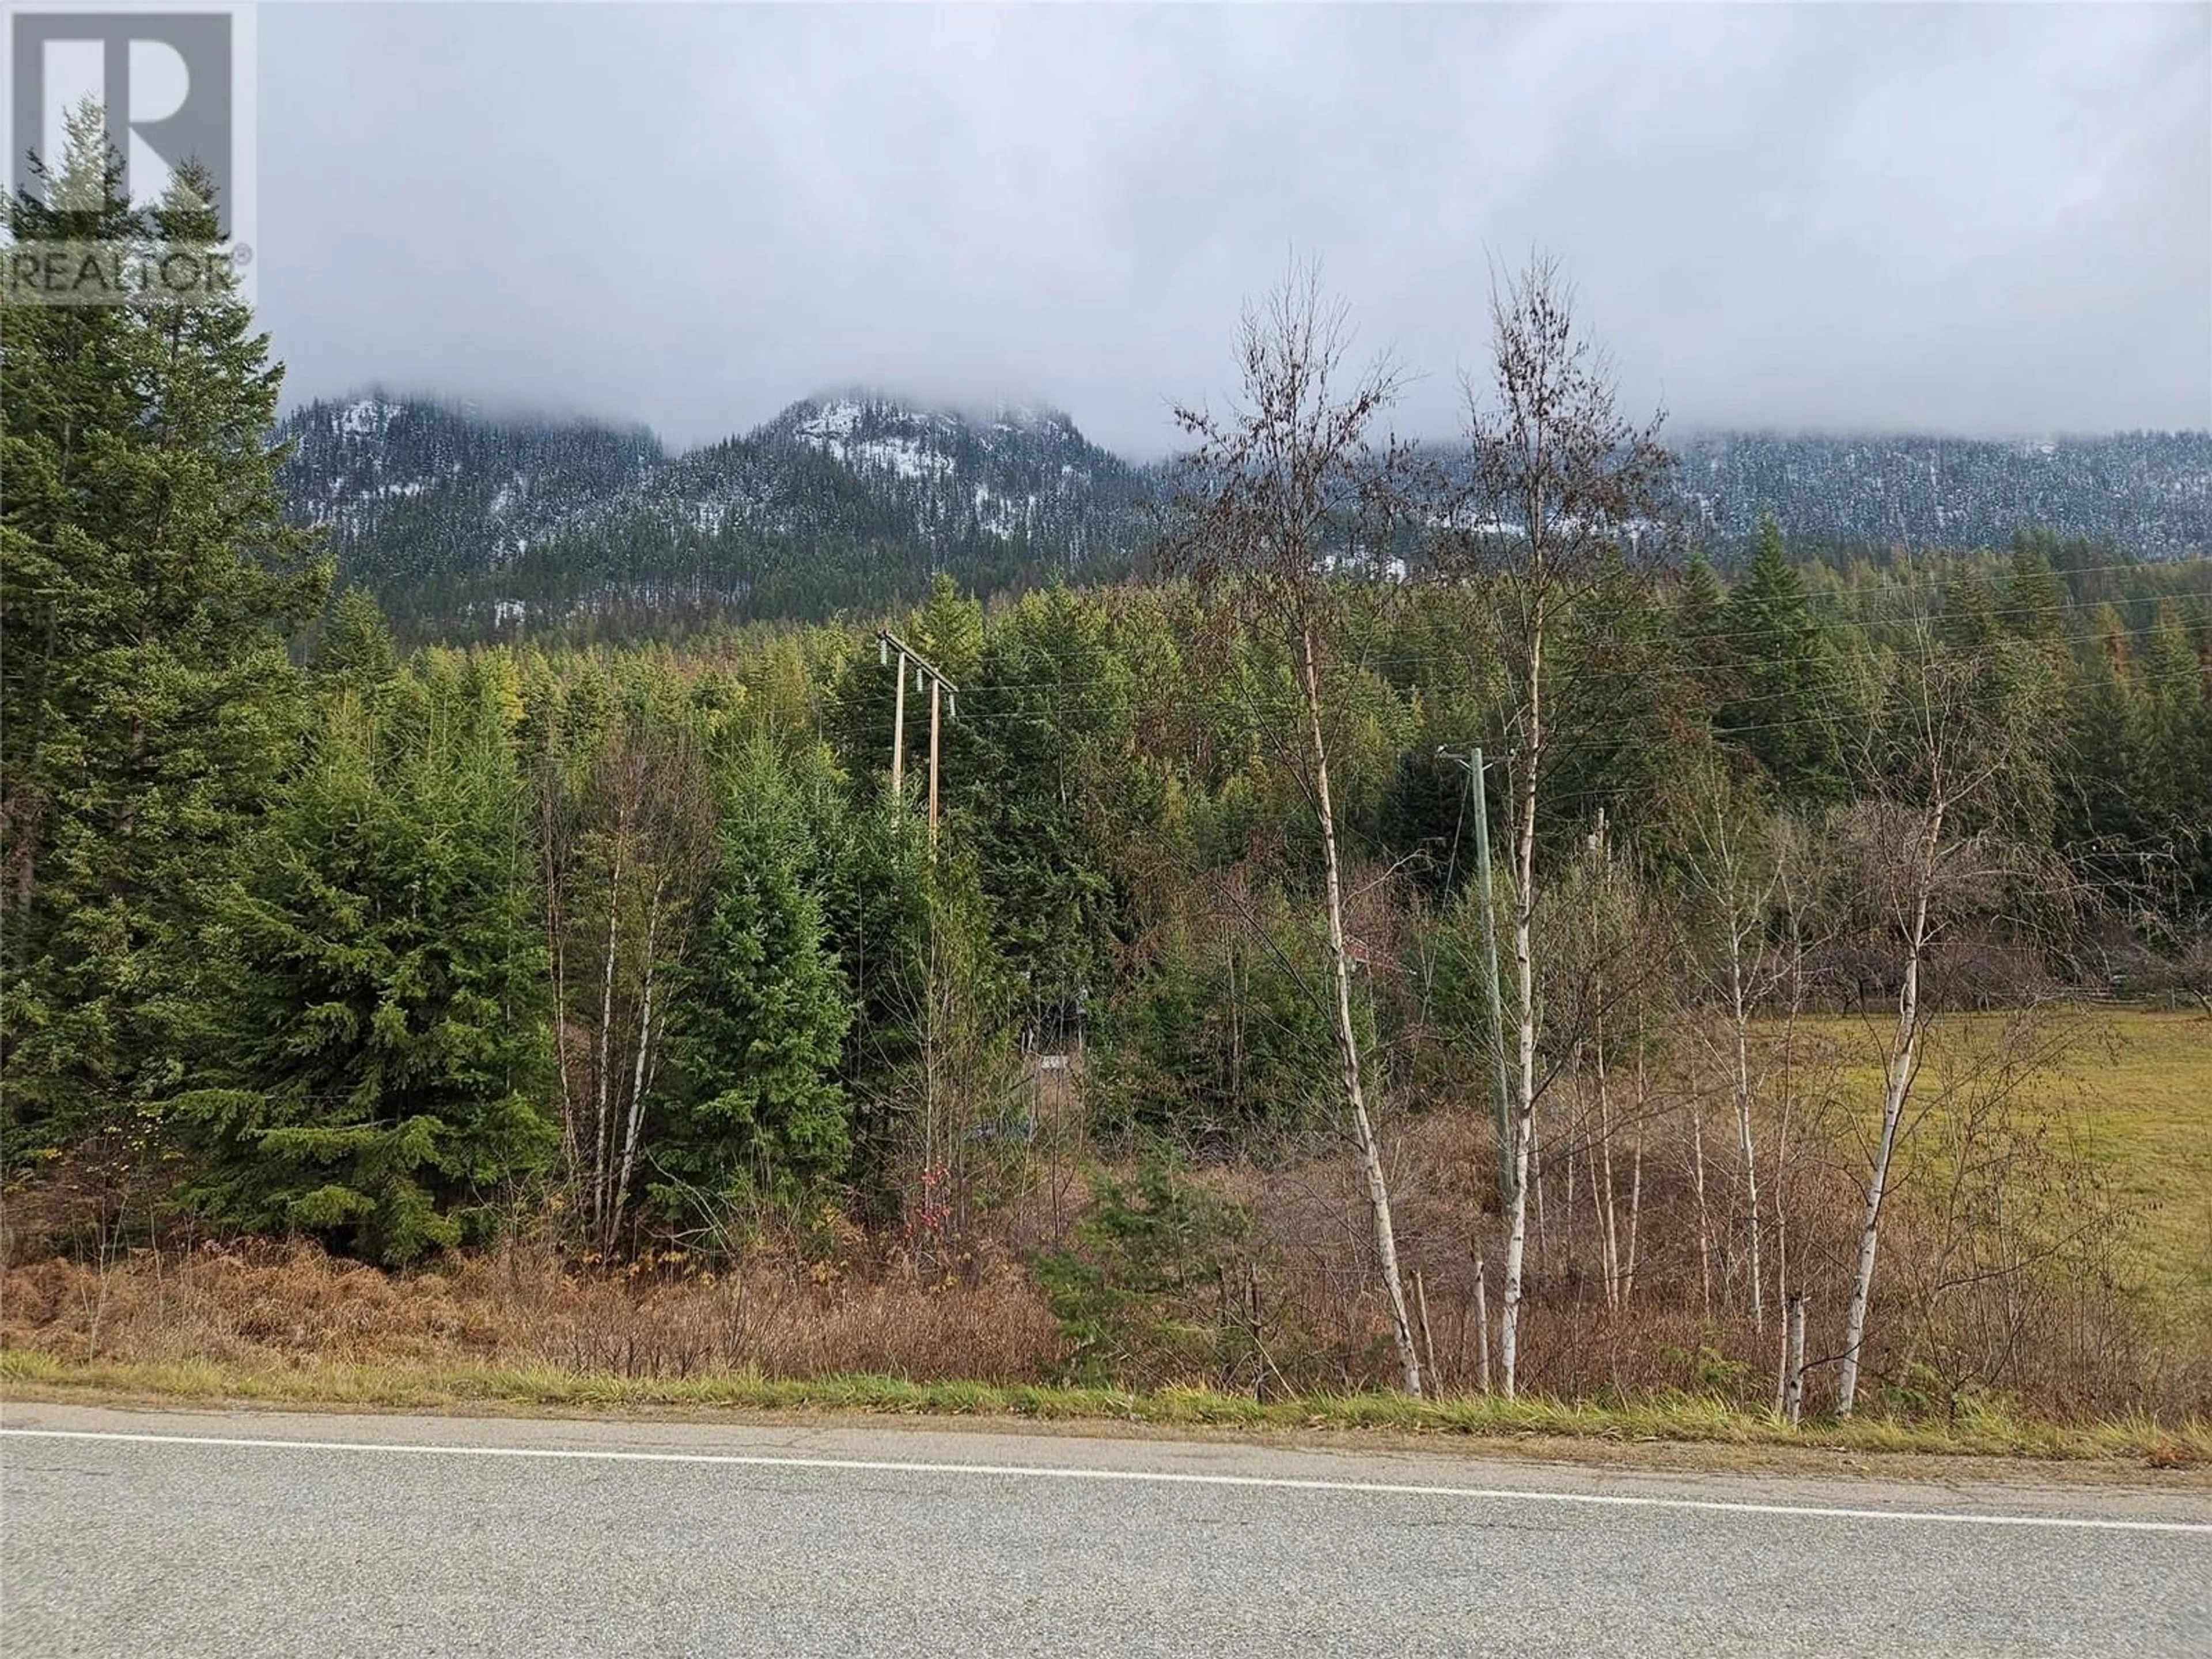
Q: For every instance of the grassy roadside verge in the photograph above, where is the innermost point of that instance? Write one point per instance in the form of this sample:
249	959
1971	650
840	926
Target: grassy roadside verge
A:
1683	1419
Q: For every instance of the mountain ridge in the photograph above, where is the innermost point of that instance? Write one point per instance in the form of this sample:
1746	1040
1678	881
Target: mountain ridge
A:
462	517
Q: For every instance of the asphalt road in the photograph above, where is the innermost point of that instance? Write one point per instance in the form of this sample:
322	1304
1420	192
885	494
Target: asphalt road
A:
166	1534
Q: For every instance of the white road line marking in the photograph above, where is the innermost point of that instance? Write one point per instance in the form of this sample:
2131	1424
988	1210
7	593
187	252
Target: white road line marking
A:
1162	1477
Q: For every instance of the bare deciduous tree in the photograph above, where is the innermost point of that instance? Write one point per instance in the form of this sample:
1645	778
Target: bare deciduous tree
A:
1940	771
625	851
1284	495
1558	480
1735	876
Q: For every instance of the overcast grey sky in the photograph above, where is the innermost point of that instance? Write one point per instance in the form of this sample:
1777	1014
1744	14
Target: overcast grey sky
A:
1979	219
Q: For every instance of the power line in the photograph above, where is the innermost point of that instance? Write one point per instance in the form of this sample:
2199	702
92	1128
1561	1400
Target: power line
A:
1723	637
980	690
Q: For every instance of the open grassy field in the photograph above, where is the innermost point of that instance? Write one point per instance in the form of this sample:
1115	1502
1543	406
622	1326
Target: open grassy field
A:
2135	1087
2146	1106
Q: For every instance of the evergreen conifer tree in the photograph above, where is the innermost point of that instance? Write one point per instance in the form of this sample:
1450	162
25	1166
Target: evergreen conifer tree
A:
355	648
1786	711
763	1015
147	586
373	1071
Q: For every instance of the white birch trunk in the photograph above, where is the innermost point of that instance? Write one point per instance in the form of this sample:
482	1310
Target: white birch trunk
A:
1347	1043
1635	1193
1904	1059
1792	1362
1524	1102
1704	1213
1609	1217
638	1073
558	957
1740	1019
603	1114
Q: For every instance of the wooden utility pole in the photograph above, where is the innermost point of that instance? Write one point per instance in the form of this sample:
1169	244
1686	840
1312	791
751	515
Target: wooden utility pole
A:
898	734
934	687
944	701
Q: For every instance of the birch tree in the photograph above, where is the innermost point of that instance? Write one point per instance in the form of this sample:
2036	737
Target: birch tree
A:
1557	479
1947	775
1284	488
1733	873
626	840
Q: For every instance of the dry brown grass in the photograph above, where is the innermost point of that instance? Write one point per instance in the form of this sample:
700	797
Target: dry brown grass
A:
2013	1273
259	1303
2007	1274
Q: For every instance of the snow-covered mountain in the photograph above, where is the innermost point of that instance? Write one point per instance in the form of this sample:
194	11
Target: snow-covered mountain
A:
854	498
2146	493
414	488
459	520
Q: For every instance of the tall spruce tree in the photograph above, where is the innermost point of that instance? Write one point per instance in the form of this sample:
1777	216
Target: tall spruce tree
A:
1784	711
762	1020
1035	761
147	586
373	1069
1700	617
2170	748
2100	825
869	864
356	646
2035	604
